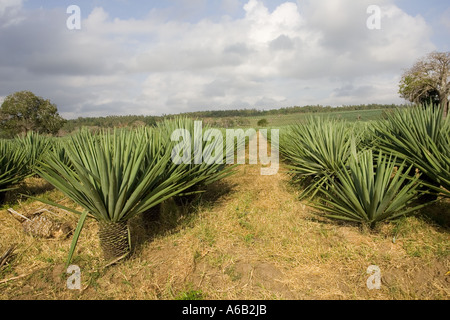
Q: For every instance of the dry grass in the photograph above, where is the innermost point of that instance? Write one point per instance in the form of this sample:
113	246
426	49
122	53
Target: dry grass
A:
247	237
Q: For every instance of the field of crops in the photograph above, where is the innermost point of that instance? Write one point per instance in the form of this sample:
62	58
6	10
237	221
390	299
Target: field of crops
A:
290	119
283	120
115	203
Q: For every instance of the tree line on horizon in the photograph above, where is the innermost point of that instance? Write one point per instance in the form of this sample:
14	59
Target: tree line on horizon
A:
288	110
142	120
63	126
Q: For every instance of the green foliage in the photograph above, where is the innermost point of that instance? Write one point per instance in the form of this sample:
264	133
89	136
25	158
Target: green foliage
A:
190	295
23	111
328	156
370	190
417	89
263	123
110	122
420	136
13	164
35	147
317	149
223	118
19	157
285	111
428	80
113	176
58	148
205	173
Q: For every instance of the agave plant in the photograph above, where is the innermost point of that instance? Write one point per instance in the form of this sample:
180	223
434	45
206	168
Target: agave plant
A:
204	173
371	190
113	176
59	147
317	149
420	136
12	166
35	146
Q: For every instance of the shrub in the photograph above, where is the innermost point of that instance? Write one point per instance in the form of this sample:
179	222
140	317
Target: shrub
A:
114	176
263	123
370	190
317	149
13	166
421	136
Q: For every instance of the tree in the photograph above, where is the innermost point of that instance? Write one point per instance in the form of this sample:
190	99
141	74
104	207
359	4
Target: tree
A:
263	123
428	80
23	111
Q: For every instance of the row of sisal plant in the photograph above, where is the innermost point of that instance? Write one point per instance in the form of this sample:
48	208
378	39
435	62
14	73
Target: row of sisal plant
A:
18	158
371	172
115	175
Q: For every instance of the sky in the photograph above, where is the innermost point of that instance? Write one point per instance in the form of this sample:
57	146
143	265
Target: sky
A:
132	57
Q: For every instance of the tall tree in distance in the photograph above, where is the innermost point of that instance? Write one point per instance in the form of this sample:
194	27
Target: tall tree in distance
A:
428	80
23	111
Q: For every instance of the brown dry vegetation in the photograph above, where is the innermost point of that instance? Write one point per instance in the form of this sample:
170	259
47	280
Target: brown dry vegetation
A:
247	237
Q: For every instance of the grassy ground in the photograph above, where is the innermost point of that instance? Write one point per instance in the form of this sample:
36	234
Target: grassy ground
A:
247	237
278	121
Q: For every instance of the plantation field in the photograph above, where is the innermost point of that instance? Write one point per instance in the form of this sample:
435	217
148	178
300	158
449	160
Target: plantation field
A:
247	237
282	120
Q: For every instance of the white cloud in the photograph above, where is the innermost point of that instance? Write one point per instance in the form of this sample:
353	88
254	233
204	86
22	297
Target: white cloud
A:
311	52
9	10
8	5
